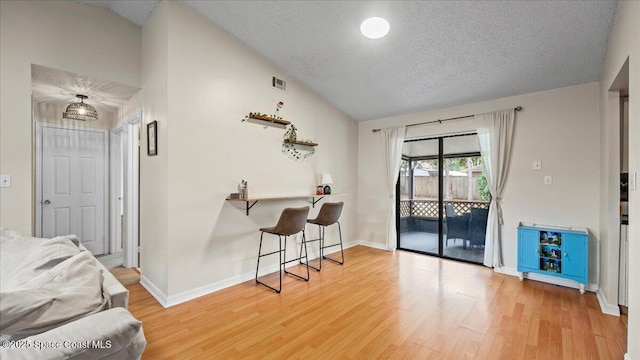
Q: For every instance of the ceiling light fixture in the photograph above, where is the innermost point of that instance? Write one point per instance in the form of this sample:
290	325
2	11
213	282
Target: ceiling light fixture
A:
81	111
374	27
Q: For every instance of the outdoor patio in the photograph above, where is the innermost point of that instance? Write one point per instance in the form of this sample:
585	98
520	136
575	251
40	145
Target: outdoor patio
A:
419	229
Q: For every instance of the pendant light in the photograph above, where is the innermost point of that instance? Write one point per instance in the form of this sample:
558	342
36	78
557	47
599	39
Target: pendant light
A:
81	111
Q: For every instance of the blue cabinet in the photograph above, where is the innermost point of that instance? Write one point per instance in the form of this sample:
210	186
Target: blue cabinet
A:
556	251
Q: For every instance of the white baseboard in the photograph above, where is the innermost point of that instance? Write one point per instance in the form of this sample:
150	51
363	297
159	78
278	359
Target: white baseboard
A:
627	357
605	307
372	245
217	286
153	290
547	279
172	300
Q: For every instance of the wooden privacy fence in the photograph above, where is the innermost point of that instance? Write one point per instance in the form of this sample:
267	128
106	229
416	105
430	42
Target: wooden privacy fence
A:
429	208
427	187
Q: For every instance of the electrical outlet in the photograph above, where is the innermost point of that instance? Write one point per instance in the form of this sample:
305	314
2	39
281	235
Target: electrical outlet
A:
548	179
537	165
5	181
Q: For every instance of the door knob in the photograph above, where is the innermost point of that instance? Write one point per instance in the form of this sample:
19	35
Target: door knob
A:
47	202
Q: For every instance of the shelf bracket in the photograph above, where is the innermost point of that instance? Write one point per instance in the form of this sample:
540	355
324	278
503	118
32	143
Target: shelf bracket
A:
314	201
250	206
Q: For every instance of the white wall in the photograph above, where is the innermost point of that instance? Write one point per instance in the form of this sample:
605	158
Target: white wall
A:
154	191
42	32
623	44
129	109
558	127
213	81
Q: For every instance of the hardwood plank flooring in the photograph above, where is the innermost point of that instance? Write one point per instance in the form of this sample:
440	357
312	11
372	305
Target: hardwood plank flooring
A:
383	304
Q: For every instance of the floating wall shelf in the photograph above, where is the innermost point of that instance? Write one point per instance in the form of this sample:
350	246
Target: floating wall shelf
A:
266	120
249	202
299	142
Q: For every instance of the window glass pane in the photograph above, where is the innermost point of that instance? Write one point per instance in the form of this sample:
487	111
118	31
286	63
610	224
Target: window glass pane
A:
404	179
461	144
465	197
420	148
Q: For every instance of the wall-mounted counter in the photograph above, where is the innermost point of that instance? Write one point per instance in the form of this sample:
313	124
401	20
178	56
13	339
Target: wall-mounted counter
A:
250	202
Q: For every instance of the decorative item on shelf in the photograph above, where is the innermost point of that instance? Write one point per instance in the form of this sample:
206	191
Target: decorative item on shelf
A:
291	135
243	190
234	196
275	119
326	180
279	106
80	111
290	143
320	190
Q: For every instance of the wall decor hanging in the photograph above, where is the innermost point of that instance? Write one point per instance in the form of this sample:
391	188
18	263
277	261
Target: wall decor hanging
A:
297	149
152	138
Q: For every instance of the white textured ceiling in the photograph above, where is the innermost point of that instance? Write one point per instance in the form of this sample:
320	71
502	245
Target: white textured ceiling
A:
437	53
136	11
53	86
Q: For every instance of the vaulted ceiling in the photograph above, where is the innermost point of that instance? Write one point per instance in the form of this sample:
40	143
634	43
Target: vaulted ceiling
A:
437	53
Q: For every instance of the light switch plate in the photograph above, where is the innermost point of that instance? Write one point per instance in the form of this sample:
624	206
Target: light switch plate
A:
5	181
537	165
548	179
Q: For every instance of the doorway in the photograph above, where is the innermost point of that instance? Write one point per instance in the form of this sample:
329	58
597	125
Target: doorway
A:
71	184
443	198
131	182
125	192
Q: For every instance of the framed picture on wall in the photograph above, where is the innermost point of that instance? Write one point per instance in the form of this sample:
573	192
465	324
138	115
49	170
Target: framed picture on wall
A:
152	138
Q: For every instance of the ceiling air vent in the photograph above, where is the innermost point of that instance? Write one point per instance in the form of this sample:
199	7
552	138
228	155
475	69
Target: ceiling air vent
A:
279	84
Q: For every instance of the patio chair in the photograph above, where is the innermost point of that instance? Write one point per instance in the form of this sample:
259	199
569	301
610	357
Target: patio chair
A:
478	226
457	226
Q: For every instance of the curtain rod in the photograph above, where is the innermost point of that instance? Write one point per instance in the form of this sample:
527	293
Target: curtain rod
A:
517	108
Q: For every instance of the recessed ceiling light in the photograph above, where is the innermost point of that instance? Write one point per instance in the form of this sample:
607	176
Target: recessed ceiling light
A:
374	27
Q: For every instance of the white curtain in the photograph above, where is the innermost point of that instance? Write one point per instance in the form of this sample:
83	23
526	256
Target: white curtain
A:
495	133
392	141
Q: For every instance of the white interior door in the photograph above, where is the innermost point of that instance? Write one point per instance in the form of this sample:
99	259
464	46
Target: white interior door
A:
73	186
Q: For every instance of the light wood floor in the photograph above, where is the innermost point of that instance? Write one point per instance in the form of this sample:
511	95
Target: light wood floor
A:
385	305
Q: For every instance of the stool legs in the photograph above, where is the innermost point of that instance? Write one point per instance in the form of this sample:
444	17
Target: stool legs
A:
341	262
304	242
279	263
321	240
282	252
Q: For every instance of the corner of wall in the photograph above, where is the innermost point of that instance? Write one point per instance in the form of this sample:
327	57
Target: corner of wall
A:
605	307
154	291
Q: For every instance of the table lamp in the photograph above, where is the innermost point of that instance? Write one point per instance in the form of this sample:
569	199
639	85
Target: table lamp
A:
326	180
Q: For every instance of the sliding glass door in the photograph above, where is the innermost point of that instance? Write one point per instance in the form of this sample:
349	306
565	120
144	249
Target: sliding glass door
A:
443	198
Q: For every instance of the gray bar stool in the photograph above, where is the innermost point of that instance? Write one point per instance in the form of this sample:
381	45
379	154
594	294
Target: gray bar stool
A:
329	214
292	221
